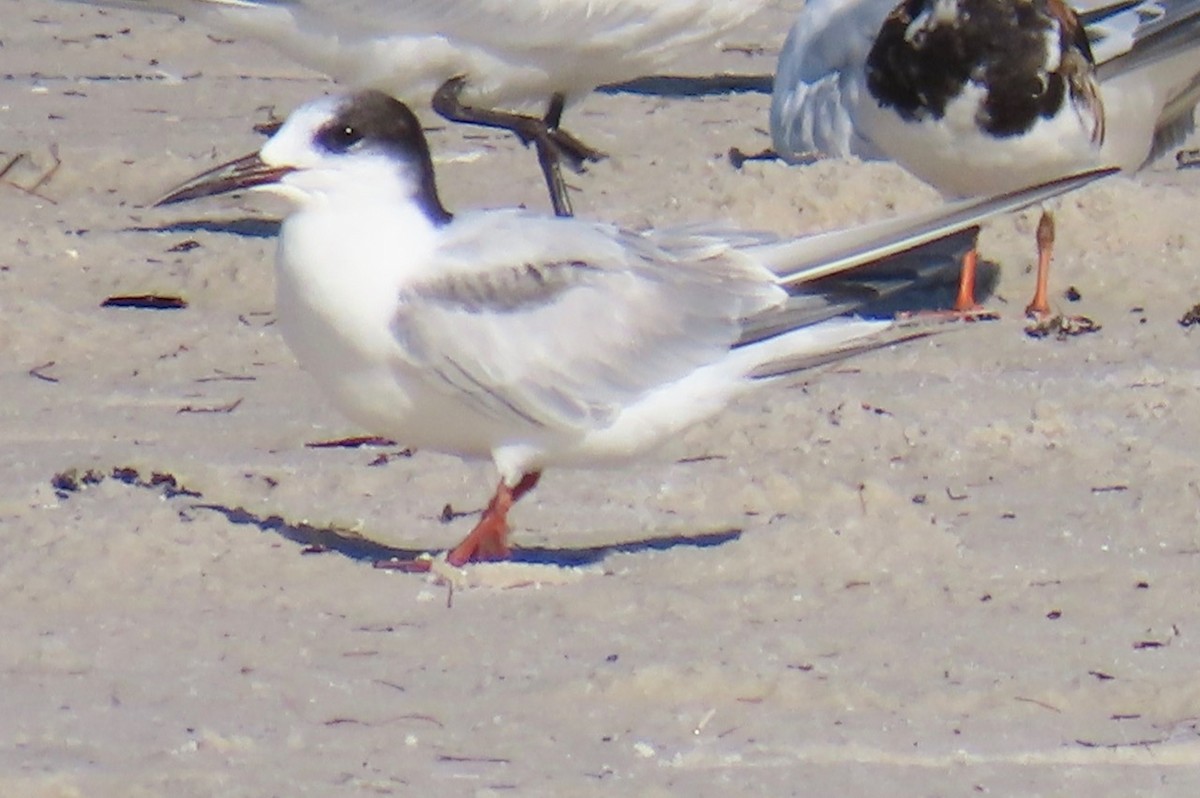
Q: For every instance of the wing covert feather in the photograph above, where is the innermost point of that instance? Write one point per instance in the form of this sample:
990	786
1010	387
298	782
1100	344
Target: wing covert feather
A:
563	331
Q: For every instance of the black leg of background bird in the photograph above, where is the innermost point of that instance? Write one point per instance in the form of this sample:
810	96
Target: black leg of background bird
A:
554	111
553	144
552	172
549	160
568	145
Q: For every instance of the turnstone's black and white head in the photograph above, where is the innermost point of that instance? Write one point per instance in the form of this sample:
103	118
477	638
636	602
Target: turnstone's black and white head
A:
1027	59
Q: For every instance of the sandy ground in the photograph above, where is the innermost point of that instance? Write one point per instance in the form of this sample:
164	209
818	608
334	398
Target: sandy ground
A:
966	566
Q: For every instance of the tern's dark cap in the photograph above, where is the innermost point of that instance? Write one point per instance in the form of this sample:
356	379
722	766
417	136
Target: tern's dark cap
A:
374	119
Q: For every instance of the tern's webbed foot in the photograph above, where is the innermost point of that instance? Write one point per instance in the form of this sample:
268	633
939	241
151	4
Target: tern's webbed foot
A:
489	539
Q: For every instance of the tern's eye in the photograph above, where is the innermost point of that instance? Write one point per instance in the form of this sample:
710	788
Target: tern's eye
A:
338	137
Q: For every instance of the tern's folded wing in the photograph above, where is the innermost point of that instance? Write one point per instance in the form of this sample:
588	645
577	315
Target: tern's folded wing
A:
564	329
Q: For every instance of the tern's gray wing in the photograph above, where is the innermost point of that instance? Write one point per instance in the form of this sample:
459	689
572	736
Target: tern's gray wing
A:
547	323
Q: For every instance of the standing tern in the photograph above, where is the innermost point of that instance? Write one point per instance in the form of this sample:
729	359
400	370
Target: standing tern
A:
476	57
982	96
541	341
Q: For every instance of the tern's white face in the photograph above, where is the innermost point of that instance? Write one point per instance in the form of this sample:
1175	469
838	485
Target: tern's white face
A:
332	171
293	145
346	150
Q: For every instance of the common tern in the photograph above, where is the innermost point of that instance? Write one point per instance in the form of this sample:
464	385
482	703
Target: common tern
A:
477	57
981	96
541	341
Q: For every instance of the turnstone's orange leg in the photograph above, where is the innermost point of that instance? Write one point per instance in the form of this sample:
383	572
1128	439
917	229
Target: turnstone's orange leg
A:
1039	306
965	302
965	307
489	539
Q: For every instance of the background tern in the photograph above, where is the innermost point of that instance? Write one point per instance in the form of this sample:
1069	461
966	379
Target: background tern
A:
982	96
540	341
477	57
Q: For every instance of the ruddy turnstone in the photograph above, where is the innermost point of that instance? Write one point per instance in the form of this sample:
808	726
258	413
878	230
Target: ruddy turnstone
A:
979	96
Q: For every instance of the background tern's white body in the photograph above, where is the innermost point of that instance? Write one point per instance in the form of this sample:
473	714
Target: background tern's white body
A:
512	52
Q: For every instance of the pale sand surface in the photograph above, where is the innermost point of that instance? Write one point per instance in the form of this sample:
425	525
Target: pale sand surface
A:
966	566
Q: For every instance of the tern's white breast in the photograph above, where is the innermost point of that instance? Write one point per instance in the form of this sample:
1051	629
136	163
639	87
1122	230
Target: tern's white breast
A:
339	275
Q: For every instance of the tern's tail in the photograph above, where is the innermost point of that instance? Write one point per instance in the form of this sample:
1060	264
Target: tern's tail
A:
874	271
846	314
806	259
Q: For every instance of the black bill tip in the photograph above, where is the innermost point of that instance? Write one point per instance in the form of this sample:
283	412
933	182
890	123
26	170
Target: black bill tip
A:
245	172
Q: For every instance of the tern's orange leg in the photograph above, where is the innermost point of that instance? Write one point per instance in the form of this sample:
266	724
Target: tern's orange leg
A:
965	302
489	539
1039	306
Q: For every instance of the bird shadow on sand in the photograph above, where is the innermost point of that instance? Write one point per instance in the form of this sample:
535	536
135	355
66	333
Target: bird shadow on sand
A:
589	555
350	544
319	540
692	85
935	295
245	227
921	281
